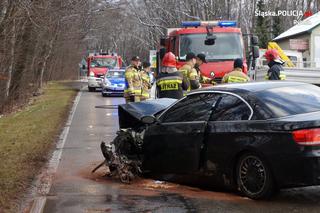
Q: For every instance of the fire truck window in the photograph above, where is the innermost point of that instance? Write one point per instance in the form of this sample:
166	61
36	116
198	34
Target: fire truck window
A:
228	46
103	62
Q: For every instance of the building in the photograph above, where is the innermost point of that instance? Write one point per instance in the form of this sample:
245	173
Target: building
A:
303	37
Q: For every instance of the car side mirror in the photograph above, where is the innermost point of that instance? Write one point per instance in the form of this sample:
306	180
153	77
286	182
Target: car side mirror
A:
149	119
255	52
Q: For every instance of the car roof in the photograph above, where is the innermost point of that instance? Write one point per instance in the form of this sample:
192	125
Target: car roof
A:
251	86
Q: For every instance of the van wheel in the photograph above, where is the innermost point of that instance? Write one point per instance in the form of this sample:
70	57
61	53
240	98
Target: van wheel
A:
254	178
92	89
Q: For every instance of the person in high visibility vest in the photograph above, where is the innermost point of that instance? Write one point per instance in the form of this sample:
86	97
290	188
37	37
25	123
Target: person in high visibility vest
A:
170	82
133	82
201	59
190	72
146	83
275	64
236	76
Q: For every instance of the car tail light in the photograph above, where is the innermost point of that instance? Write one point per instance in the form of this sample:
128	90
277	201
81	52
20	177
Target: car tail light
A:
307	137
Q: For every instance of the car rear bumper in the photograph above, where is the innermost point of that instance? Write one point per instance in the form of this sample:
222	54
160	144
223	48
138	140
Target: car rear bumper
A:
300	171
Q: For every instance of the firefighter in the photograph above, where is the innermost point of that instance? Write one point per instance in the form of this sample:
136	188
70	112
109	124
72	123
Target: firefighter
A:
190	72
236	76
275	64
133	82
146	81
170	82
201	59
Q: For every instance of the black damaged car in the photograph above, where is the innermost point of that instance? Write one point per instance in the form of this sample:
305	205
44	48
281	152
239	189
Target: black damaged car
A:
254	137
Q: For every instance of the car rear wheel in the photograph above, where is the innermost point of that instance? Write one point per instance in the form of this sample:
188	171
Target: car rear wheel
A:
254	178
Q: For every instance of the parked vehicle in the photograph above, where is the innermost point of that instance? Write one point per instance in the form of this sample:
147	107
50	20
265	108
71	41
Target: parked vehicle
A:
113	82
98	65
255	137
220	41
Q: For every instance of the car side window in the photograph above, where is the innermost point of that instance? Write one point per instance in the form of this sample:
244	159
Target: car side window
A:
230	108
195	107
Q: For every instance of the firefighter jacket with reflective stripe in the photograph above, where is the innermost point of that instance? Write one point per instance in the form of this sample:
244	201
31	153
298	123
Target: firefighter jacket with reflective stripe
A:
146	85
192	76
236	76
171	85
133	82
276	71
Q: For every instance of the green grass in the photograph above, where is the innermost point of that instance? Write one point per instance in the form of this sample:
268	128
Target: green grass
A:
26	138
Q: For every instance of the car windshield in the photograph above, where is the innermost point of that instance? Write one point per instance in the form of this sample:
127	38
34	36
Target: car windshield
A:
103	62
115	74
228	46
286	101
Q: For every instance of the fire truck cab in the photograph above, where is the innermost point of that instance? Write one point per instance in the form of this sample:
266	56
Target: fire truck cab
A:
98	66
220	41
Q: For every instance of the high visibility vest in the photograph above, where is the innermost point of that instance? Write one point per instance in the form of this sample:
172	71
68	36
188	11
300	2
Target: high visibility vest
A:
236	79
133	82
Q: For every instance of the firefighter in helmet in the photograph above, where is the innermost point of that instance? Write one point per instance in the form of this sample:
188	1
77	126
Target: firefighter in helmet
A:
146	81
190	72
170	82
275	64
236	76
133	82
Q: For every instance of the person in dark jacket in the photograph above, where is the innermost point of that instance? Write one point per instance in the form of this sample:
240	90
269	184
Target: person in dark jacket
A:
170	82
275	64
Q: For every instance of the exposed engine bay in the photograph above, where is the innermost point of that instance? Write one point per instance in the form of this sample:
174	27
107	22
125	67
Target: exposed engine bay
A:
124	155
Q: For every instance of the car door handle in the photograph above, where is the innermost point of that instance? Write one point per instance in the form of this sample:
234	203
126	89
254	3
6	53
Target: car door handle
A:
196	131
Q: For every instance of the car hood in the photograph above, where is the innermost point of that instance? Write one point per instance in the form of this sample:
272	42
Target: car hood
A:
131	113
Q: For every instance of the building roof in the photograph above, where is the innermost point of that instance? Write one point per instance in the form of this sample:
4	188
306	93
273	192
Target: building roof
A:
303	27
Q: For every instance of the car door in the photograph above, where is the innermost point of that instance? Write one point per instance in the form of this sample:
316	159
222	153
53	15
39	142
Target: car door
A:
227	128
174	145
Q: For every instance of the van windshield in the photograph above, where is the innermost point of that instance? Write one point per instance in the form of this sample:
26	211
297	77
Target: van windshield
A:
228	46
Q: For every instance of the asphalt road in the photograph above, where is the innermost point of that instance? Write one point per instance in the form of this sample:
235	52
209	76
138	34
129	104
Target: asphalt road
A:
75	189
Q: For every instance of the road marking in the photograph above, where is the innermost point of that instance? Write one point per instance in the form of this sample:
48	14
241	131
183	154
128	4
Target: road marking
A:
44	180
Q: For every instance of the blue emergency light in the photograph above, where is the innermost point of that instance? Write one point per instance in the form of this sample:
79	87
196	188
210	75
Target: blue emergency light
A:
191	23
208	23
227	24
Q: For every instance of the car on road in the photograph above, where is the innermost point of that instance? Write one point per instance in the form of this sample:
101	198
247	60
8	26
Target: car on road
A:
113	82
254	137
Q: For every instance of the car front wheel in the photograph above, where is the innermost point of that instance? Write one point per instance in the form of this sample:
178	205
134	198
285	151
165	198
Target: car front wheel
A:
254	178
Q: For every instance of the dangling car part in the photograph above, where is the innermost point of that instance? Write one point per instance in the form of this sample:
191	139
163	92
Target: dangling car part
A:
123	154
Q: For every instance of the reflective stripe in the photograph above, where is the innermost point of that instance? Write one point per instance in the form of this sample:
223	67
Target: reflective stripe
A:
135	91
282	76
146	95
169	84
236	79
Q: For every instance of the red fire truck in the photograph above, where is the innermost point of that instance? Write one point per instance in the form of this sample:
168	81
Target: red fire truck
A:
220	41
98	65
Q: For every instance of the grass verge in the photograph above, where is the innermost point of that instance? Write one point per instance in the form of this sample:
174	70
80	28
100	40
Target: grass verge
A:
26	137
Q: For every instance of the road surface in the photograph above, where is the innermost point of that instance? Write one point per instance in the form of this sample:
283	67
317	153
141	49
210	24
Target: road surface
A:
75	189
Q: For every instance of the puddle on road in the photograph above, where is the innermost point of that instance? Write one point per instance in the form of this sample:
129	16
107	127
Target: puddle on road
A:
151	187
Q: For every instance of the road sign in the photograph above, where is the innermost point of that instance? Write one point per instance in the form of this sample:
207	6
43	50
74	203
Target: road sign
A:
153	58
299	44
